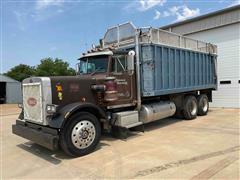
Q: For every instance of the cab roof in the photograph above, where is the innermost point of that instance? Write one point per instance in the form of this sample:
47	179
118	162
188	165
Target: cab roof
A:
97	53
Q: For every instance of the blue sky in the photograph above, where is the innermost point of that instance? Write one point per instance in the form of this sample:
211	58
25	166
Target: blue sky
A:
32	30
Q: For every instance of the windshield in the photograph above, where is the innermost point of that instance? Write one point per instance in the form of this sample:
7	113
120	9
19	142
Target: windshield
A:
95	64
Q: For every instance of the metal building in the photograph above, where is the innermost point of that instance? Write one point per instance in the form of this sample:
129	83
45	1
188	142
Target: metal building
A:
10	90
223	29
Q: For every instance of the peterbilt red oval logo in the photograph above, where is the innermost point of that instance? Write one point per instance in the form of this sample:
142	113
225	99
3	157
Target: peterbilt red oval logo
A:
31	101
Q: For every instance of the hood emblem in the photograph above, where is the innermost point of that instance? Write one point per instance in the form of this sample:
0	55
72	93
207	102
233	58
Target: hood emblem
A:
59	90
31	101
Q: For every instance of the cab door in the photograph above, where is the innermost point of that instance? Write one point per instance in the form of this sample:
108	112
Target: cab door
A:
125	80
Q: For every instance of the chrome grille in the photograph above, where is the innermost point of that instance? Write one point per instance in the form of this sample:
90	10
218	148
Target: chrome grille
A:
32	102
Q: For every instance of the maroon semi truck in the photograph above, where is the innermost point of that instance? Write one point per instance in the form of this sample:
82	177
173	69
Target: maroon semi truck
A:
133	77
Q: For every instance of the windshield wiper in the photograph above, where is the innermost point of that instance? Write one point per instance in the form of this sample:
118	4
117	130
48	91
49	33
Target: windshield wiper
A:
95	71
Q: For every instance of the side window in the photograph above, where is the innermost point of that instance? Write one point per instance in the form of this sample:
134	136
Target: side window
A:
119	64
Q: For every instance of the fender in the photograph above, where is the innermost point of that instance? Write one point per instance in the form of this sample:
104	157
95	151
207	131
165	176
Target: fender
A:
65	112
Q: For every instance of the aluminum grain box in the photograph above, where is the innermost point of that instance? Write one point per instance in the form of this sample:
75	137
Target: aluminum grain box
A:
169	70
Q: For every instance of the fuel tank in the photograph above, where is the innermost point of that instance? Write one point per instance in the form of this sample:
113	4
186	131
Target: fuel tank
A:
155	111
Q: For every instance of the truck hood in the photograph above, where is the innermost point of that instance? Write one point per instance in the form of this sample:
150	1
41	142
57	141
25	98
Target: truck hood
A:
70	89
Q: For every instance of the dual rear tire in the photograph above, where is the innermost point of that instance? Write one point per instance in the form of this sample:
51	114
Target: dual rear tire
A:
190	107
203	105
193	106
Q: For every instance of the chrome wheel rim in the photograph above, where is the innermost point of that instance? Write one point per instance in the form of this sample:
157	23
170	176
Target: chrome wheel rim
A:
193	108
205	105
83	134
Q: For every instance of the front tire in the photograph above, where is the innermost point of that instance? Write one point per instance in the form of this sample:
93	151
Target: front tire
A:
190	107
203	105
80	135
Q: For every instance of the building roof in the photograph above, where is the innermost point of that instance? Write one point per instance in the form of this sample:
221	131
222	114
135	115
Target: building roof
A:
4	78
202	17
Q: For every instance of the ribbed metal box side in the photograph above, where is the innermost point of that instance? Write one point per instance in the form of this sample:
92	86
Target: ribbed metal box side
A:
168	70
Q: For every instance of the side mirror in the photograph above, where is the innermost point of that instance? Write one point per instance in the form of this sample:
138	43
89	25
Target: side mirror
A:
130	60
77	68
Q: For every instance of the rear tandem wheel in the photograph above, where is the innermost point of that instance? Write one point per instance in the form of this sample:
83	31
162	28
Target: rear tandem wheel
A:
190	107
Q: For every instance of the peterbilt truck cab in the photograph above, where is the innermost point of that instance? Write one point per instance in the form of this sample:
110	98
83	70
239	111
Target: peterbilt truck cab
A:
71	111
135	76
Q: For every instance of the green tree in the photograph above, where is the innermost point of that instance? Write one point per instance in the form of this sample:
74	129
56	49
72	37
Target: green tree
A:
21	72
54	67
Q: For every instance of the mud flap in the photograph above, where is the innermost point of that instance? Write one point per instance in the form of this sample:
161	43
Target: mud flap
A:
120	132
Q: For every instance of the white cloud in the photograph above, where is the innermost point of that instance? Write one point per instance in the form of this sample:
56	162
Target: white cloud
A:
157	15
181	12
60	10
234	3
39	12
174	9
144	5
21	18
45	9
148	4
53	48
166	14
42	4
42	16
185	13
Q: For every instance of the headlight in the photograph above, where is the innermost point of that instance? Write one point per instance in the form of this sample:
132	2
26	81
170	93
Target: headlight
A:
20	105
51	108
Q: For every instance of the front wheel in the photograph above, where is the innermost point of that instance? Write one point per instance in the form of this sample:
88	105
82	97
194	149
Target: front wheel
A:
80	135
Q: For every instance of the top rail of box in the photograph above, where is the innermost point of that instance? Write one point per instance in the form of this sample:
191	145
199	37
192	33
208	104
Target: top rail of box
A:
125	34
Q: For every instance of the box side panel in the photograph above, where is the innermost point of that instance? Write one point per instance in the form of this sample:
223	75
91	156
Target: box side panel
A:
168	70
